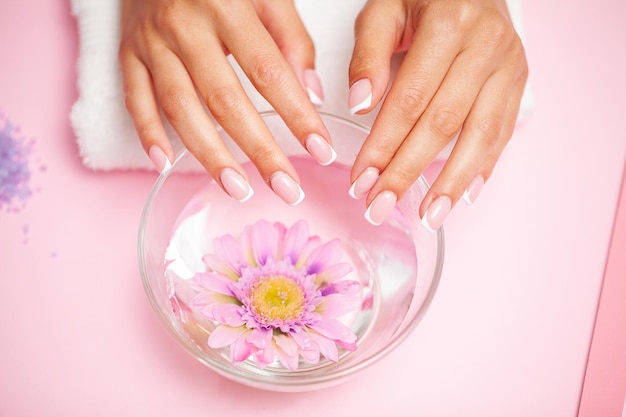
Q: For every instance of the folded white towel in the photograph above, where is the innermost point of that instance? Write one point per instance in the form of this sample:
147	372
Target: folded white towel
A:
104	131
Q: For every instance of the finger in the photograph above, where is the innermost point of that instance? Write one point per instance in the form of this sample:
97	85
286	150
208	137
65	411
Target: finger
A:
282	21
511	114
142	107
182	107
374	44
484	136
269	72
441	121
418	79
230	106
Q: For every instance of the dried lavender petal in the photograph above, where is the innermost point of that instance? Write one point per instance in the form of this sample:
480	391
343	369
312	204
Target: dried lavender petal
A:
14	168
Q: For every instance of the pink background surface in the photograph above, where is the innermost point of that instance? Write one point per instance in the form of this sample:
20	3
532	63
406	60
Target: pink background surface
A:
509	330
605	380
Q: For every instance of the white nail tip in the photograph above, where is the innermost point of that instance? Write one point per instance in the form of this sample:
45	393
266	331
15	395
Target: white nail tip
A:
314	98
300	197
426	225
248	196
333	157
366	103
351	191
466	198
368	217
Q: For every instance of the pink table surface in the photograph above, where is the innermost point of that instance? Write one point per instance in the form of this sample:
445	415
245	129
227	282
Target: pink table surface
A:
508	333
604	388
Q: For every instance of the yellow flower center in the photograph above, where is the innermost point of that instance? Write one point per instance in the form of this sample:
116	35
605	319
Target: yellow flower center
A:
277	298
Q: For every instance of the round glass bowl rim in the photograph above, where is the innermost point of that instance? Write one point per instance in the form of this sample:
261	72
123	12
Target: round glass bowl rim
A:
297	379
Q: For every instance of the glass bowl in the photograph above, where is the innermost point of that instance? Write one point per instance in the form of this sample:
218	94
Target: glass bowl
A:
398	263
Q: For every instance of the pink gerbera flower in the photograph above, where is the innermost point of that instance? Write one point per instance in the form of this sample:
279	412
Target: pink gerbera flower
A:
277	294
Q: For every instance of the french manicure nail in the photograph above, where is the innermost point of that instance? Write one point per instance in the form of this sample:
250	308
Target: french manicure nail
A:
363	183
437	213
313	87
473	189
286	188
380	207
159	159
236	185
320	149
360	96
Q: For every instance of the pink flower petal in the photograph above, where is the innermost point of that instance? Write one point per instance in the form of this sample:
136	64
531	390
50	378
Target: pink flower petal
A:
280	230
226	314
333	273
327	347
334	330
214	282
309	247
337	305
295	239
324	256
260	338
265	356
240	350
303	340
286	351
259	242
311	355
217	264
286	344
351	346
345	287
228	248
308	348
224	335
209	298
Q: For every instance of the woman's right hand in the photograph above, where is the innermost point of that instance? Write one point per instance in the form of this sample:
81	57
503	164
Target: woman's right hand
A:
173	57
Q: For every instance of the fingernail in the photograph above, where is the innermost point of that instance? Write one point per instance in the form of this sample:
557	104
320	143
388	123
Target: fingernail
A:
437	213
380	207
313	87
159	159
360	96
320	149
236	185
363	183
473	189
286	188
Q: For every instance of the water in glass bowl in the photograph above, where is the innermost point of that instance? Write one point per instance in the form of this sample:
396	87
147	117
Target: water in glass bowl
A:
383	258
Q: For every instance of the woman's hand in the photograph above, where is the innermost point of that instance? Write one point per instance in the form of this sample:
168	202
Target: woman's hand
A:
464	70
173	57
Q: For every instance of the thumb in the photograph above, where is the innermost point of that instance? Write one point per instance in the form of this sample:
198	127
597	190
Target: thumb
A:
282	21
377	34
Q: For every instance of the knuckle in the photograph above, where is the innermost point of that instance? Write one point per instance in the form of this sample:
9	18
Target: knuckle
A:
130	101
223	102
489	130
175	103
403	176
411	101
451	17
499	33
266	71
170	17
385	145
263	155
445	122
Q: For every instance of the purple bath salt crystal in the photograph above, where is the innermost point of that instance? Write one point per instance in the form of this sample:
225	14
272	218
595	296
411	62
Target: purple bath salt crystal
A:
14	168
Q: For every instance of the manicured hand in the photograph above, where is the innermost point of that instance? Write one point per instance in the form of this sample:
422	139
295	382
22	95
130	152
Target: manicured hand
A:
173	56
464	70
